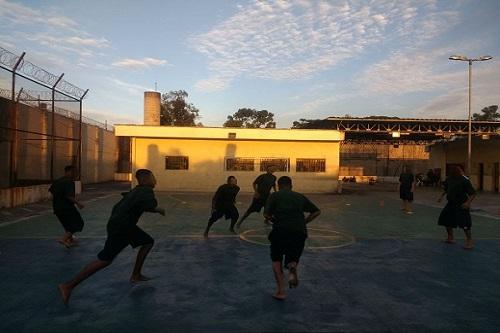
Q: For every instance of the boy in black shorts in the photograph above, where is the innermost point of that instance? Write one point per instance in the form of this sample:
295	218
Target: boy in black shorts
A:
223	204
459	193
262	186
123	231
286	210
406	189
63	203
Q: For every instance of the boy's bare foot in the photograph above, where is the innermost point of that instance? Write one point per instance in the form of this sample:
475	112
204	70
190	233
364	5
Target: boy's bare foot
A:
280	296
64	243
449	241
65	293
409	212
139	278
469	245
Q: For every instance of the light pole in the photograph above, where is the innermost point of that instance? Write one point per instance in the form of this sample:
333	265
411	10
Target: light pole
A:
469	141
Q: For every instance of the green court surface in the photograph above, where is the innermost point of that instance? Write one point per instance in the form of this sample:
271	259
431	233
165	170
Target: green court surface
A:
367	267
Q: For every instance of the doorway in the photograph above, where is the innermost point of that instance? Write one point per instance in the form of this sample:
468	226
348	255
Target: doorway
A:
481	176
496	176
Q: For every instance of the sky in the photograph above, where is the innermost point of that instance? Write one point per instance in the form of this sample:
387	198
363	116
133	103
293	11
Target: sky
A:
296	58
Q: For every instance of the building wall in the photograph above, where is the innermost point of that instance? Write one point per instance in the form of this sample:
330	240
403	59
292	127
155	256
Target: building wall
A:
33	151
455	152
379	159
207	162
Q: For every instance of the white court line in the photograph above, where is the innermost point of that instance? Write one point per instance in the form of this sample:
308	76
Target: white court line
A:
45	212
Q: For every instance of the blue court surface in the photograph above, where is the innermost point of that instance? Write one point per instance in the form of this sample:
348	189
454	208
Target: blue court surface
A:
368	268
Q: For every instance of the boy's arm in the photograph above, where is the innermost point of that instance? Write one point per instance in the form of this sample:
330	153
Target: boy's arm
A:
70	195
313	211
312	216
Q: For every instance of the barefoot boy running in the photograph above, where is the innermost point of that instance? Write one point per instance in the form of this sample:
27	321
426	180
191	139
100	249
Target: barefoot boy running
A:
123	230
223	204
286	209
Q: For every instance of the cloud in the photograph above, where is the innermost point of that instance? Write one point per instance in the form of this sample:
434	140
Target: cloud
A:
406	72
58	32
290	40
453	103
129	87
143	63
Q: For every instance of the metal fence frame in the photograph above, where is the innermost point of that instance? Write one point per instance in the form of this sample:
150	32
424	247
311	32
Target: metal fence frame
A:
18	66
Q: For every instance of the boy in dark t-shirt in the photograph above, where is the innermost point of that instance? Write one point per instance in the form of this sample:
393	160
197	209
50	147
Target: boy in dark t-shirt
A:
223	204
406	189
286	210
262	186
459	193
123	231
63	203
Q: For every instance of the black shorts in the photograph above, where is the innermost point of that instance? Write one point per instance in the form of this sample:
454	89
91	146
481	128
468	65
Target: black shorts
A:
229	212
71	220
117	241
257	204
287	245
405	194
453	215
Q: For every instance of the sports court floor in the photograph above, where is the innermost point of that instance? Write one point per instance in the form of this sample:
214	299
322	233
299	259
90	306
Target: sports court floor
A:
369	268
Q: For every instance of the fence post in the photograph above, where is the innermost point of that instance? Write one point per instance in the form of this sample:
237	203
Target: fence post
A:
80	146
53	129
13	126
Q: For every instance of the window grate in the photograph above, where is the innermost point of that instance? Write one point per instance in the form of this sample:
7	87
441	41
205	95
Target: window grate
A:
176	163
240	164
311	165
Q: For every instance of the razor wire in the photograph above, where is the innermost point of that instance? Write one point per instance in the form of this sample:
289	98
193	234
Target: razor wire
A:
33	71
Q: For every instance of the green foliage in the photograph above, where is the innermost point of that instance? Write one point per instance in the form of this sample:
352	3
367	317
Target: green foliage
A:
250	118
176	111
488	114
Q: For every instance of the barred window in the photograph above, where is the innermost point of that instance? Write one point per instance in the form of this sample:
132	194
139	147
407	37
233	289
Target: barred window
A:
240	164
310	165
280	164
176	163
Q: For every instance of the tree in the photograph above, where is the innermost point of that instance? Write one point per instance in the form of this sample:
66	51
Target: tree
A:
310	123
251	118
488	113
176	111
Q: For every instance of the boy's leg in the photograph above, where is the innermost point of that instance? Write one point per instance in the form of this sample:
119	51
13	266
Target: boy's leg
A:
209	225
139	237
66	239
280	280
450	239
66	288
139	262
469	244
234	215
247	214
293	278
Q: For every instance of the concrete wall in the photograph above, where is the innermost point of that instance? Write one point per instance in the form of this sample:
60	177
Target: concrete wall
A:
33	151
207	162
455	152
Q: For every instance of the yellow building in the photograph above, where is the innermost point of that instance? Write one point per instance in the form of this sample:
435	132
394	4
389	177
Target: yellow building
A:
485	173
201	158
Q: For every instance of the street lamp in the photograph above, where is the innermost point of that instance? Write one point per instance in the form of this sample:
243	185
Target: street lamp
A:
469	141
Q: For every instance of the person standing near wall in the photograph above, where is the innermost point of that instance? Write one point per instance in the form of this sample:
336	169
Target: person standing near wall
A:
406	189
64	202
262	186
459	193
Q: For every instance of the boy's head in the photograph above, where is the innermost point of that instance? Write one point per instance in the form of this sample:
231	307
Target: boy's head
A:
285	183
457	171
69	171
271	169
231	180
145	177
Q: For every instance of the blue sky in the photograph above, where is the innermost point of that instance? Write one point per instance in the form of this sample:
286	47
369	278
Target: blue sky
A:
296	58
